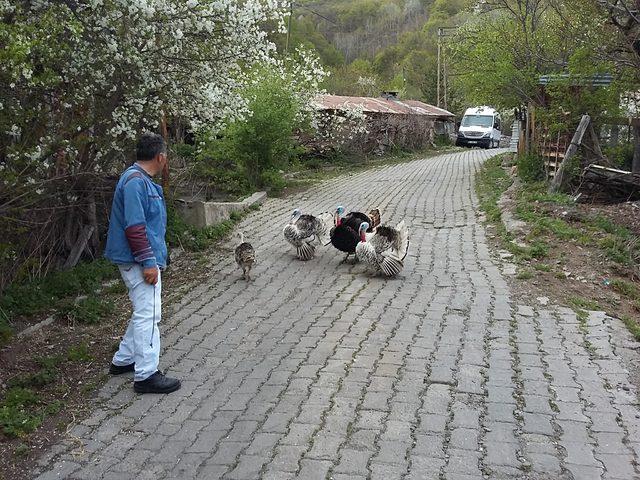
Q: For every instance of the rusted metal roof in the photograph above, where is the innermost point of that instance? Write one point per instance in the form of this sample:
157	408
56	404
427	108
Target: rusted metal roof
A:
380	105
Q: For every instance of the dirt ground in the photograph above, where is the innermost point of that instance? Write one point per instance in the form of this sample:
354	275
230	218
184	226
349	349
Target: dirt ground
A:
577	271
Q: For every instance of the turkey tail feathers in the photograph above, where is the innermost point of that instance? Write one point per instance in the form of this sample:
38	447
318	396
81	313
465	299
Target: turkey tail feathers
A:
391	266
306	251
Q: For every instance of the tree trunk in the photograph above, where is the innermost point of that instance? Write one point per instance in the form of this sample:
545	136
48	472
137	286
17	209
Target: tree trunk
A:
635	166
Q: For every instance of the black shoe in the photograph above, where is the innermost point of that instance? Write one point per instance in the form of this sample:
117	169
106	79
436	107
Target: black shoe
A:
157	383
120	369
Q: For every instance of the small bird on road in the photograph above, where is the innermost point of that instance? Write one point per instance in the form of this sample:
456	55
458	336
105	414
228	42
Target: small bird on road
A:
245	257
306	232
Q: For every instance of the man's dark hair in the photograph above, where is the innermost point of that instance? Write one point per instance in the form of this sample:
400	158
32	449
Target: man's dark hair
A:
149	145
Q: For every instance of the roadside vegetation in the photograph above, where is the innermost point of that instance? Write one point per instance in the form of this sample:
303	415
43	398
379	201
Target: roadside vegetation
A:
578	254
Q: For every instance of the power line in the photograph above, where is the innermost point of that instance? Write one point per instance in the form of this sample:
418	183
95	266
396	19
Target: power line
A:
315	13
293	4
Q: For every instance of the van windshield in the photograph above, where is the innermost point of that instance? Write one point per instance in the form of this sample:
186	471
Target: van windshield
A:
485	121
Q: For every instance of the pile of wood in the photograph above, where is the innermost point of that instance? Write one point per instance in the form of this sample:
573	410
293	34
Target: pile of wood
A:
599	180
610	184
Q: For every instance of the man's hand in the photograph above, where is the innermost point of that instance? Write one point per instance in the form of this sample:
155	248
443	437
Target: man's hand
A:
150	275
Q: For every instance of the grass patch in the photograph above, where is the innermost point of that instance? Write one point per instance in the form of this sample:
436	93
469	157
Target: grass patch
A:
543	267
525	275
584	303
632	326
88	310
79	353
17	416
582	316
21	409
492	182
625	288
41	295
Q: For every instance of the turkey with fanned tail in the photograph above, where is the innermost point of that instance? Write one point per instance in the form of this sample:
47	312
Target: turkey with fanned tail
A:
306	232
344	235
386	249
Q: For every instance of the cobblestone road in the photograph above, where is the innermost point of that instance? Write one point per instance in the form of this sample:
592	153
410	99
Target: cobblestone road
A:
317	371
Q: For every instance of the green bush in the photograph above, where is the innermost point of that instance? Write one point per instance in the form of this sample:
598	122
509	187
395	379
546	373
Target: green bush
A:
261	143
621	155
530	167
273	181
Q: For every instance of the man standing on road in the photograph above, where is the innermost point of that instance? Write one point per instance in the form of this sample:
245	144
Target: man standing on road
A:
136	244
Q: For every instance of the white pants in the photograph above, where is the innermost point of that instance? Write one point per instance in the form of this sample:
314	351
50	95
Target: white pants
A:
141	341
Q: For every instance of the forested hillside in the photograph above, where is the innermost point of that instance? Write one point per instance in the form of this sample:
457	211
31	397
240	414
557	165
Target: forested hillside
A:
373	45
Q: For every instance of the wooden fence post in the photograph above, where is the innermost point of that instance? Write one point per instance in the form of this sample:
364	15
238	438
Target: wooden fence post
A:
558	180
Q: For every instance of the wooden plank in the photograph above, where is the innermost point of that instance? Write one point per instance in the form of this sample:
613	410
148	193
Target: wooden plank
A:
558	180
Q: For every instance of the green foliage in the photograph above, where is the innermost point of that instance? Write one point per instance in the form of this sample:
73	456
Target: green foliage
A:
88	310
621	155
5	329
264	141
499	57
180	233
249	153
79	353
17	417
530	167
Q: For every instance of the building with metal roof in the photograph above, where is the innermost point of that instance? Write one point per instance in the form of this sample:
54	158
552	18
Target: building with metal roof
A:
388	104
390	123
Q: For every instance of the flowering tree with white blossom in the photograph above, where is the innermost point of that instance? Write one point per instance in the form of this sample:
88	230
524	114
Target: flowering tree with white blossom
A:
79	80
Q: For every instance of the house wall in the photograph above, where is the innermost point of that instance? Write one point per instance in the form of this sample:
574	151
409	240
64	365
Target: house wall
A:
387	131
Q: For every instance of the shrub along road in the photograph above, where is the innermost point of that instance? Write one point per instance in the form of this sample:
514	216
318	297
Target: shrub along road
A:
319	370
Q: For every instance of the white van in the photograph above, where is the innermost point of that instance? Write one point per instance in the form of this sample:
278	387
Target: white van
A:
480	127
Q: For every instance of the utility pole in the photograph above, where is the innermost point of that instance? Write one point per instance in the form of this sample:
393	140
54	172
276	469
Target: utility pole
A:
438	82
442	84
286	47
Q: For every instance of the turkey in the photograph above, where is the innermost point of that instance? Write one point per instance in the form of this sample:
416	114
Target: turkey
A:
386	249
306	232
344	235
245	257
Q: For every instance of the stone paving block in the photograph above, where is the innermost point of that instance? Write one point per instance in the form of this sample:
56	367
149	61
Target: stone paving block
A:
383	471
353	462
